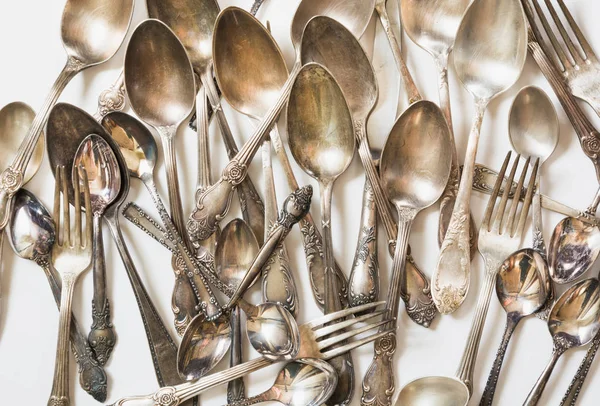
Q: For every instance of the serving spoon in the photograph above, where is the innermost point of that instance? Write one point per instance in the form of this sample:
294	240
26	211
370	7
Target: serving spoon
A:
303	382
322	142
483	43
237	36
521	289
92	32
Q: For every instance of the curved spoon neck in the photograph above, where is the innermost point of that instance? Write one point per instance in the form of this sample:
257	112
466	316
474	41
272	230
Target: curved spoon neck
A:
537	390
398	284
594	205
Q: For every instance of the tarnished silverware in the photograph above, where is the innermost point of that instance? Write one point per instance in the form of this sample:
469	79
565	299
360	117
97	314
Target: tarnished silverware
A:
507	50
318	341
112	98
92	32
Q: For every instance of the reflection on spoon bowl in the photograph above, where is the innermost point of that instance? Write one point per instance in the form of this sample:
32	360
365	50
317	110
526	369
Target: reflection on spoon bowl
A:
434	391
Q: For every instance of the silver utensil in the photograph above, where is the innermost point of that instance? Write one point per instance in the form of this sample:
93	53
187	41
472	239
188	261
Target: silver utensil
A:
71	256
193	22
92	32
318	114
573	322
432	25
31	234
521	289
304	382
500	235
483	41
112	98
318	341
104	178
232	61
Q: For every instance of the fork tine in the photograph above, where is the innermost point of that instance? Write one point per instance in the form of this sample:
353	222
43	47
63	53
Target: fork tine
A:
76	192
564	34
558	51
498	221
354	344
56	214
511	226
492	201
343	313
528	198
88	211
587	49
332	328
65	207
349	334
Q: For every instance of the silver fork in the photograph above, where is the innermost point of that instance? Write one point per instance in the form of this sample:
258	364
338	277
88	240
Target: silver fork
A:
71	256
499	236
580	68
317	340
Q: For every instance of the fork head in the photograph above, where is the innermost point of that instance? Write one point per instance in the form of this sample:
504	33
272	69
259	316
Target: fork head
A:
501	232
72	250
326	337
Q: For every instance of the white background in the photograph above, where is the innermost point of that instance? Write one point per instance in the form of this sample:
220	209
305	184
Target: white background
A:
32	56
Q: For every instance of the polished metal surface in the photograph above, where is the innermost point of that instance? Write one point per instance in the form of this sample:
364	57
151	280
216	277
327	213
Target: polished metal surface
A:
92	31
71	256
318	341
321	139
573	322
483	43
104	181
304	382
32	234
521	289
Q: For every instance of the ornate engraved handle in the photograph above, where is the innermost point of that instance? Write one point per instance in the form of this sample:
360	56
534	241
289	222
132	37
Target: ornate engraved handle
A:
570	397
112	99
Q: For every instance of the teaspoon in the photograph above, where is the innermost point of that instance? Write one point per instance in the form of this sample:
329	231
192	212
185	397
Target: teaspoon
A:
483	43
303	382
92	32
521	289
322	142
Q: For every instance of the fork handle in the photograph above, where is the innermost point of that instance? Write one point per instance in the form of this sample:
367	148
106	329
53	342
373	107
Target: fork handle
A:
60	385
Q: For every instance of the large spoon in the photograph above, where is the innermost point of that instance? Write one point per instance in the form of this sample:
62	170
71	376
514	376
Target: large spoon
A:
483	43
32	233
104	180
92	32
521	289
573	322
304	382
237	37
329	43
322	142
432	25
533	129
236	248
160	84
193	22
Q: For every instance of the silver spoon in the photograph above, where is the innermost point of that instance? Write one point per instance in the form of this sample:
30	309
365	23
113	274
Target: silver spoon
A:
160	84
104	180
484	42
236	248
31	234
521	289
432	25
322	142
193	22
533	129
304	382
237	43
92	32
573	322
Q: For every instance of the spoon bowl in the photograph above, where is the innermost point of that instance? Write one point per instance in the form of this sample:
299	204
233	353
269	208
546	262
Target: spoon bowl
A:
434	390
37	238
236	249
15	120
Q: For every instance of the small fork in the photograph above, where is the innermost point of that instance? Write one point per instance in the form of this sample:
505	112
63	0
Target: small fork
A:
580	68
317	340
499	236
71	256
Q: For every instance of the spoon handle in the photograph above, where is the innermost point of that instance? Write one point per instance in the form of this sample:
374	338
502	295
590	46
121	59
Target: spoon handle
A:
92	377
536	392
102	336
12	177
236	390
490	387
452	274
570	397
111	99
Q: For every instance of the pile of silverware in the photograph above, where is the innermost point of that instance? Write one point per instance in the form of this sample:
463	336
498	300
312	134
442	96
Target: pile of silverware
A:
188	56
